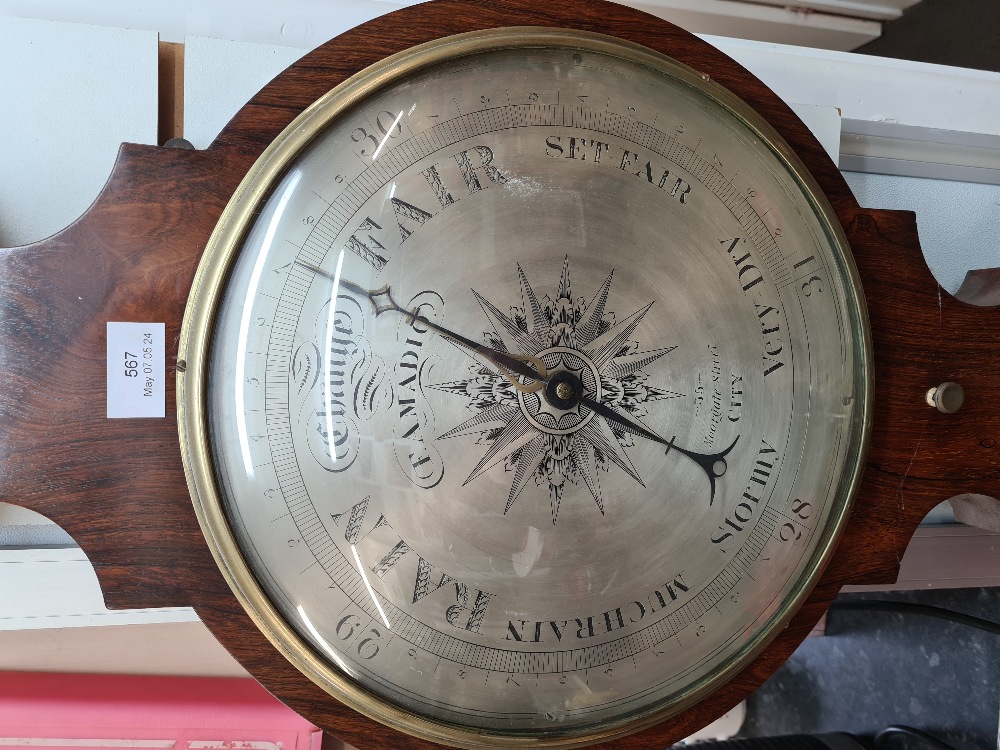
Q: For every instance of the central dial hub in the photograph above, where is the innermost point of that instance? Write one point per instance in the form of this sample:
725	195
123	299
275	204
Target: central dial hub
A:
563	390
556	409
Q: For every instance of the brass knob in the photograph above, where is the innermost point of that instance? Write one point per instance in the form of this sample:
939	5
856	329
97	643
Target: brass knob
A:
947	398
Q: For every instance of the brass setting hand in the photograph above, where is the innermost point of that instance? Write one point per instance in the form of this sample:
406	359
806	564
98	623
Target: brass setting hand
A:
509	364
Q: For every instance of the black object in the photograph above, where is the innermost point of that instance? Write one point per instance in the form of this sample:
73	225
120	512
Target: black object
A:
835	741
911	608
885	740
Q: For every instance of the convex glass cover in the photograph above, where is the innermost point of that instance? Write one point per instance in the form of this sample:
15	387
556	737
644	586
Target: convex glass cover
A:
527	388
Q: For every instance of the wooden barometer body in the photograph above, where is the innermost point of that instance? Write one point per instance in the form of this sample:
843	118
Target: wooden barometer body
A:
532	378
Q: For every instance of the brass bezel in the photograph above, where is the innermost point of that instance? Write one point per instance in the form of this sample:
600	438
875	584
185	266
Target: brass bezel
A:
206	293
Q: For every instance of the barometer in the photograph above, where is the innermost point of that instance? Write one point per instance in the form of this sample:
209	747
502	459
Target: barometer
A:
525	386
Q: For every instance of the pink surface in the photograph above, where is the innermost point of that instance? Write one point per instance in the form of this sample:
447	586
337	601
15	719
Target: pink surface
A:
152	713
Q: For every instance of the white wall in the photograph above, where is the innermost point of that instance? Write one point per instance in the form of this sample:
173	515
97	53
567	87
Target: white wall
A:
69	96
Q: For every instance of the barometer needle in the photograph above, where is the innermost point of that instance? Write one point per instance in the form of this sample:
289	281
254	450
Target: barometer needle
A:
713	464
382	301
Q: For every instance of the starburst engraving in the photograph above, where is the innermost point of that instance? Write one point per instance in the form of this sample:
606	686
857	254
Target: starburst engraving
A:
534	440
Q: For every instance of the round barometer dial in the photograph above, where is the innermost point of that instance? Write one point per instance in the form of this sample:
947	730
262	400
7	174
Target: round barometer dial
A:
527	389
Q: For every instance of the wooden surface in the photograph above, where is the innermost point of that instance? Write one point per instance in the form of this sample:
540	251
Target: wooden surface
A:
170	80
117	485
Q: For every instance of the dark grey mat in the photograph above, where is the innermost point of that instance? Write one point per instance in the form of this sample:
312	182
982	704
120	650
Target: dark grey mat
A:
876	669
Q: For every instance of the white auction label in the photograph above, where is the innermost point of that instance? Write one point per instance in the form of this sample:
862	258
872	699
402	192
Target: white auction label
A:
136	370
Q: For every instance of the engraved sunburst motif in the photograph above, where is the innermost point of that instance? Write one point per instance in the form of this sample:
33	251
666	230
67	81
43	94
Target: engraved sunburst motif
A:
535	440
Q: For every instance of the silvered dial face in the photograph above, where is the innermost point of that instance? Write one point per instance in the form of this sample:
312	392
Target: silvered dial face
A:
573	554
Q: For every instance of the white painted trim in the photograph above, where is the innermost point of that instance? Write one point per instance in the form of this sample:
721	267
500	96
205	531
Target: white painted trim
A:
876	89
906	151
58	588
179	649
886	10
764	23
